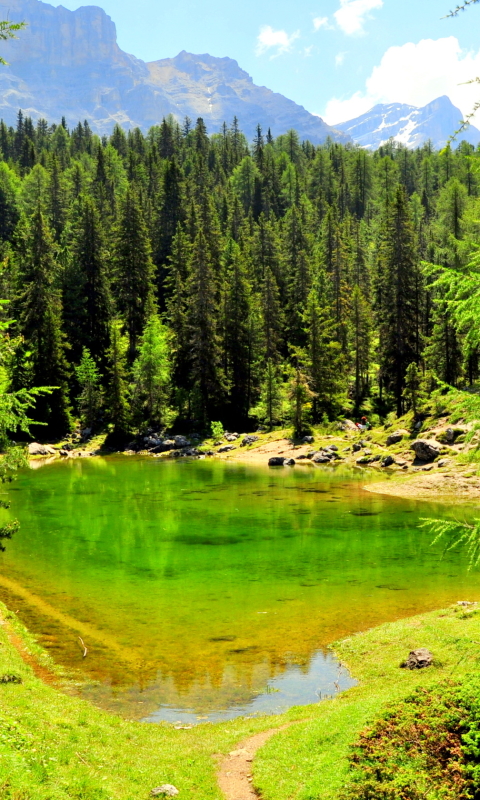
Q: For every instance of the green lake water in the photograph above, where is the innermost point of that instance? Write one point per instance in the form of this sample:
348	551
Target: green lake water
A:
204	590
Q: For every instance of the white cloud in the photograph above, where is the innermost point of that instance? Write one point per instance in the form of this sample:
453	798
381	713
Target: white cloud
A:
415	74
268	38
339	59
352	13
320	22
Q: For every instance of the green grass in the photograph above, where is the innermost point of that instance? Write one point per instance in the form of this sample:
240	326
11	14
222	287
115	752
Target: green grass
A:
310	761
54	746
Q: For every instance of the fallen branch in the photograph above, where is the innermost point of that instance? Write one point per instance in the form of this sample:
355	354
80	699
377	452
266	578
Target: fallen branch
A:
83	646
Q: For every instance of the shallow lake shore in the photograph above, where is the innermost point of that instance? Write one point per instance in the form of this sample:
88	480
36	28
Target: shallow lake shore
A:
58	742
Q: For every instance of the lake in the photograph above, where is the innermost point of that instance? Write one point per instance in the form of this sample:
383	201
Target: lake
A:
204	589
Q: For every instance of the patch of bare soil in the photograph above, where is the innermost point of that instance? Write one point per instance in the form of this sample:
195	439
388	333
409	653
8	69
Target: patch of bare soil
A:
234	774
446	487
278	447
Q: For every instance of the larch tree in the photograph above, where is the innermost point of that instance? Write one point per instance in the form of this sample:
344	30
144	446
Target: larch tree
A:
152	373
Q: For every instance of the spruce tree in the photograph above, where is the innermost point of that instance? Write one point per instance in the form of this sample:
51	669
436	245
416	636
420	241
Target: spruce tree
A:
171	213
134	270
398	309
272	317
177	315
240	334
87	292
323	357
40	321
272	396
116	399
300	396
203	324
361	320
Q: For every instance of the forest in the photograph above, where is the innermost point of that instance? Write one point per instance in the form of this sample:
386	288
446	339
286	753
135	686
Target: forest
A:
178	278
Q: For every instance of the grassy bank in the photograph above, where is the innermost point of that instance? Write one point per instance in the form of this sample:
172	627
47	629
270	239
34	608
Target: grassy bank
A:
55	746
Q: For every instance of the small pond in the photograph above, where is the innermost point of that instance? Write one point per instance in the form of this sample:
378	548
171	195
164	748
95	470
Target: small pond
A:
205	590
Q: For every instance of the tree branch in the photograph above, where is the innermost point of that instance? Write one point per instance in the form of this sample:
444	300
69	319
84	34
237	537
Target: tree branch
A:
462	7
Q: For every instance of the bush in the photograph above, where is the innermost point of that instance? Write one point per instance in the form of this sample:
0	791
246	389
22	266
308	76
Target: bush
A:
425	748
217	430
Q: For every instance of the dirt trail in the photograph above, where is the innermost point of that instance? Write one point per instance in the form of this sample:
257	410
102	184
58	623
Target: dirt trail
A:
234	775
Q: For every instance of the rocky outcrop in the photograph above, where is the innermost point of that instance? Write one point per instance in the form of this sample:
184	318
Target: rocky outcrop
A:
68	63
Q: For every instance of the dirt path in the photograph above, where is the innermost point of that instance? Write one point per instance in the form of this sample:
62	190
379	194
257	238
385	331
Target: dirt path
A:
234	775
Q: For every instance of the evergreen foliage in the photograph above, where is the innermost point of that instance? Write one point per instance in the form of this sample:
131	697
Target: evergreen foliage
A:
230	268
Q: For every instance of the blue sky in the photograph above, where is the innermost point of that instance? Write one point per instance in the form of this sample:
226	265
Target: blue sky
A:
335	57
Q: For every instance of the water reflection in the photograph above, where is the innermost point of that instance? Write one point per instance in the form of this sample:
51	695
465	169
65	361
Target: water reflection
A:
196	586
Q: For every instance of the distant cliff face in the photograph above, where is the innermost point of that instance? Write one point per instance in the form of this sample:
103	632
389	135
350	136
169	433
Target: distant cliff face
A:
409	125
68	63
60	38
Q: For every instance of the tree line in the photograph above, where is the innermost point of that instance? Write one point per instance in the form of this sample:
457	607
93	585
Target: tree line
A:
176	278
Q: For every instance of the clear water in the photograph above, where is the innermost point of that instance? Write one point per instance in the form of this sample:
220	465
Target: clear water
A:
204	590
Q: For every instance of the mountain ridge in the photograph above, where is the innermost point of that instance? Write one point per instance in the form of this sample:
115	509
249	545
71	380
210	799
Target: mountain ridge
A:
410	125
68	63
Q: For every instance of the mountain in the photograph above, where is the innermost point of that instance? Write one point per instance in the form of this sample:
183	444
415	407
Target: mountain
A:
409	125
68	63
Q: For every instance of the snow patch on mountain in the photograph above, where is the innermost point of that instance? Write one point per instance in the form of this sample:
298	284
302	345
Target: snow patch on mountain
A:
409	125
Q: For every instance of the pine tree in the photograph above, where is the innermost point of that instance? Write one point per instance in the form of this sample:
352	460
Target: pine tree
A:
300	396
203	312
361	319
323	357
133	270
40	322
398	311
170	215
57	199
116	400
272	317
240	334
177	315
272	396
87	286
413	387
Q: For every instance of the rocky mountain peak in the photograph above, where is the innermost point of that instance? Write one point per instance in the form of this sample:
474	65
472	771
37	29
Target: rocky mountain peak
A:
409	125
68	63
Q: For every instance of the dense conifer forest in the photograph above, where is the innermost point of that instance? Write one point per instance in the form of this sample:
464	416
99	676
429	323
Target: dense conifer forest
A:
176	278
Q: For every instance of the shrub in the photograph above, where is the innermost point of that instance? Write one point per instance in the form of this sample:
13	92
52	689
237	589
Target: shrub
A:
425	748
217	430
